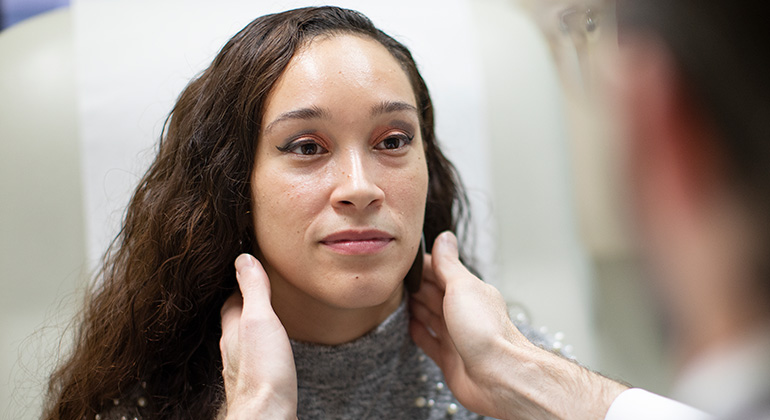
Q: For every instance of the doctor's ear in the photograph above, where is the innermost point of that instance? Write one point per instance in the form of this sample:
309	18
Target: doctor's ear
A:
673	152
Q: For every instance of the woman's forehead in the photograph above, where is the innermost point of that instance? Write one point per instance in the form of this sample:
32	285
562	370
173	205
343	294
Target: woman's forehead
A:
333	69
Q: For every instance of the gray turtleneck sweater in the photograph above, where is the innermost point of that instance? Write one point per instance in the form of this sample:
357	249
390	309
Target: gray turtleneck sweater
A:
382	375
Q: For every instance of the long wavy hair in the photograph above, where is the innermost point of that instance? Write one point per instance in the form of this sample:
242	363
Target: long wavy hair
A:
152	314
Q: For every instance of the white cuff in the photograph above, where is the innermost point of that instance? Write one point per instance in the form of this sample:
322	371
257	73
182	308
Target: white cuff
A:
638	404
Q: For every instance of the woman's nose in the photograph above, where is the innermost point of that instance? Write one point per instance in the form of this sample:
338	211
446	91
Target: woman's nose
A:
357	186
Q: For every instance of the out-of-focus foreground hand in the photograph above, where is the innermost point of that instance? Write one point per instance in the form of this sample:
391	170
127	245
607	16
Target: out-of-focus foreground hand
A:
462	324
259	373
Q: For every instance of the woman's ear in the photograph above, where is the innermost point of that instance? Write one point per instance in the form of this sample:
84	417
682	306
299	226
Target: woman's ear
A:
413	277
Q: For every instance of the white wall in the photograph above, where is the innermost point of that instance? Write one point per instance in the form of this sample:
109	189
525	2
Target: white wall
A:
42	242
541	261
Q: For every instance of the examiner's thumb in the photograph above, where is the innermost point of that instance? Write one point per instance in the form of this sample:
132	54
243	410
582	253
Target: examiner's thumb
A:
252	279
446	260
445	246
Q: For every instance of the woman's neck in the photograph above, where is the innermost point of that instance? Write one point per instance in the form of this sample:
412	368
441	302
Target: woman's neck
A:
310	320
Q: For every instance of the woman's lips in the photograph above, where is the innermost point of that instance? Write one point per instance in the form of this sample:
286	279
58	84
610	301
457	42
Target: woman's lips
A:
358	242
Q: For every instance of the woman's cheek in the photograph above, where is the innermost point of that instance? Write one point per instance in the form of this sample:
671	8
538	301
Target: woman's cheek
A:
409	194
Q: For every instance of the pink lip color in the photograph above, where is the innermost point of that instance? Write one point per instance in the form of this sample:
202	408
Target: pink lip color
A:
351	242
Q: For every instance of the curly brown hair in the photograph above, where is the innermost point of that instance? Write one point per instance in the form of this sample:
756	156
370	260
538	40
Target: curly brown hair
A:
152	314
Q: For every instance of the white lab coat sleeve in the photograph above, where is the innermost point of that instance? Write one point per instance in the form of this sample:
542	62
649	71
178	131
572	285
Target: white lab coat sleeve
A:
638	404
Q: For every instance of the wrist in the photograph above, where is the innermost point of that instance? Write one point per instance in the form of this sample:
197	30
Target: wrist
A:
544	385
257	411
262	404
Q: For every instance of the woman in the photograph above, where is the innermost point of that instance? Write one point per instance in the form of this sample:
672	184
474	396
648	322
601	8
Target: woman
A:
310	143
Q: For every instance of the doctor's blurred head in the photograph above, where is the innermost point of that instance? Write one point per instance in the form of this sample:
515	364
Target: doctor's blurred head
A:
694	96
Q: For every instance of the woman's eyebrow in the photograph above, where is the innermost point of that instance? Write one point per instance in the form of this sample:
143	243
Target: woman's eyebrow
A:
391	106
309	113
315	112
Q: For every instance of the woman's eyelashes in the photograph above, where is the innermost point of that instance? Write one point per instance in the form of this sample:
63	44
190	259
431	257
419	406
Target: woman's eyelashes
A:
395	141
311	147
304	147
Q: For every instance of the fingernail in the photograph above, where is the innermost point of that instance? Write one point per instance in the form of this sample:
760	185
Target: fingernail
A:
450	240
244	261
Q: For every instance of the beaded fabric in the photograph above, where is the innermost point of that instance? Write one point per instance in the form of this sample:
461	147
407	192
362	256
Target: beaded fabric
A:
380	375
132	406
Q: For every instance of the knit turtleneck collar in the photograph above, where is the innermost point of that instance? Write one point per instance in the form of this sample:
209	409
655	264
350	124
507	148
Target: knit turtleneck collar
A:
369	357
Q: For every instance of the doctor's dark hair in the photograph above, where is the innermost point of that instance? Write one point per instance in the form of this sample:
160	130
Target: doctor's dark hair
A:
721	52
153	314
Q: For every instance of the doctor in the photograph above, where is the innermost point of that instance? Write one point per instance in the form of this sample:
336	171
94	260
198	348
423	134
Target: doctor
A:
693	88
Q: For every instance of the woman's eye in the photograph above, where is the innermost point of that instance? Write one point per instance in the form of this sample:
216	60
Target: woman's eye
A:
304	148
394	142
307	149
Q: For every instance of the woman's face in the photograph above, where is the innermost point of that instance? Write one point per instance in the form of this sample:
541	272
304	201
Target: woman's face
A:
340	178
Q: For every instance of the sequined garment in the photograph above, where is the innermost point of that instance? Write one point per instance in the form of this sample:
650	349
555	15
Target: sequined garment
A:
382	375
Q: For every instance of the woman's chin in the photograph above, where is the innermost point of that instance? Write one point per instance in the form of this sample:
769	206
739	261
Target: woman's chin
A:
353	294
336	287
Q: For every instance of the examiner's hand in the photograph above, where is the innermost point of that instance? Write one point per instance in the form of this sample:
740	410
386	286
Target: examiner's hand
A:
259	372
462	324
471	326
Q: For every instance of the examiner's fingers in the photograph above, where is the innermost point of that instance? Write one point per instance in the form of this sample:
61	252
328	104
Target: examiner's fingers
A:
421	313
446	261
231	310
430	296
424	340
428	275
231	317
427	268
